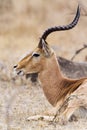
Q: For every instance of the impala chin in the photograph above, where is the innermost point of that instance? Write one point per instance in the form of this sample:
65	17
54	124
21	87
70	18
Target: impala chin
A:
19	72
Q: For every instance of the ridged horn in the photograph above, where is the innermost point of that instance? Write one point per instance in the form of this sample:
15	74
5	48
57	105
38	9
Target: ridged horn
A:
61	28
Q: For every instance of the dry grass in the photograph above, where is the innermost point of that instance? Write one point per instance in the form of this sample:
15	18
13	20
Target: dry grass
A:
20	29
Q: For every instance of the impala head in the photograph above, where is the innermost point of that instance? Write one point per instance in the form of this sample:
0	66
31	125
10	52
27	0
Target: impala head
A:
35	61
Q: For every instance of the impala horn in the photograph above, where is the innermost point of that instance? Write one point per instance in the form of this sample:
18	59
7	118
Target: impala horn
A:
61	28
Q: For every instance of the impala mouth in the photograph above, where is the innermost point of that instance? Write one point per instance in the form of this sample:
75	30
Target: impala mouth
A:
18	72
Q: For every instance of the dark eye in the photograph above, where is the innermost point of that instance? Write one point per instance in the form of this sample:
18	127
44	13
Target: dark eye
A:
36	55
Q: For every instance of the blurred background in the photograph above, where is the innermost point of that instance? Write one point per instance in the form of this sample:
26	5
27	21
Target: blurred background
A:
22	22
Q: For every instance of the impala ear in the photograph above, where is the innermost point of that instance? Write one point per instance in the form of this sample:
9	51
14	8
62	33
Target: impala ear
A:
45	48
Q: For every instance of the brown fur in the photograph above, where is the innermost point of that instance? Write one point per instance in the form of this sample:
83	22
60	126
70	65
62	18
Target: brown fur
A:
56	87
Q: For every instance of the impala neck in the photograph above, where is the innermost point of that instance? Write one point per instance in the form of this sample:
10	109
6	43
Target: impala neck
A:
53	83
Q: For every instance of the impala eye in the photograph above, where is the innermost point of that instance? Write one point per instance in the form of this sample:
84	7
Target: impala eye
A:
36	55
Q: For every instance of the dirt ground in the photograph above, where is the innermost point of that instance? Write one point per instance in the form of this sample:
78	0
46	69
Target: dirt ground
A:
20	28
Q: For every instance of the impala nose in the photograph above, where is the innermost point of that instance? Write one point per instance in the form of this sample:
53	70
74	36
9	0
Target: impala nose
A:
15	66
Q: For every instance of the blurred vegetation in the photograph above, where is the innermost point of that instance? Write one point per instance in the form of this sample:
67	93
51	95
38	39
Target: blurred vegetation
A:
22	22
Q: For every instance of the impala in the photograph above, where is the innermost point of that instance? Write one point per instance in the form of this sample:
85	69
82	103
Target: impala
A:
57	88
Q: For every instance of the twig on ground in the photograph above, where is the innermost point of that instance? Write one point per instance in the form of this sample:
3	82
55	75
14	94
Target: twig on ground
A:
40	117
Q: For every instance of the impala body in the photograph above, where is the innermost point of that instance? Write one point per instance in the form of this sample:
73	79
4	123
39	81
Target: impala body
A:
56	87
